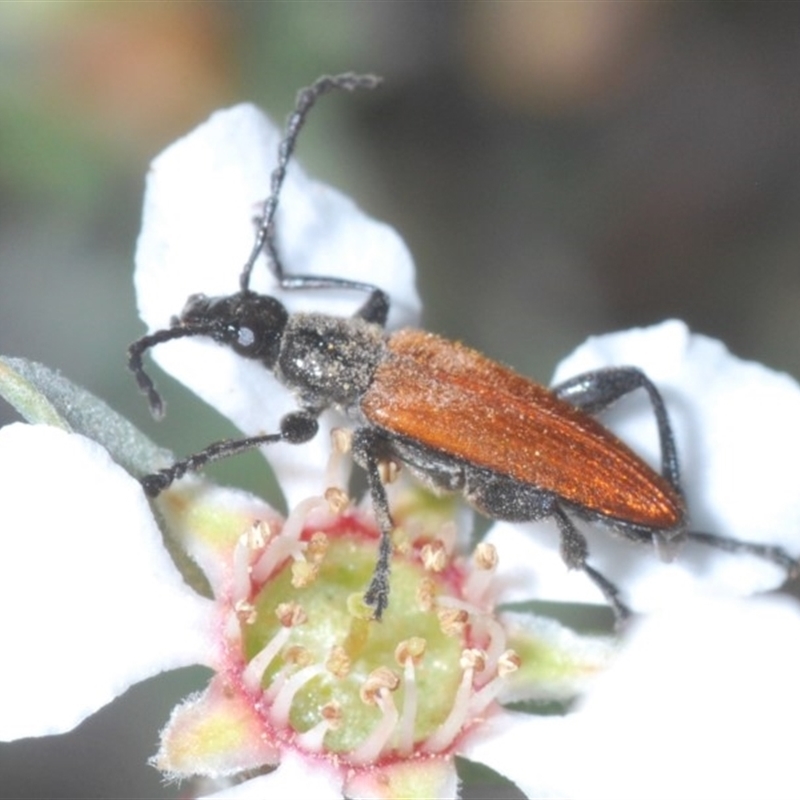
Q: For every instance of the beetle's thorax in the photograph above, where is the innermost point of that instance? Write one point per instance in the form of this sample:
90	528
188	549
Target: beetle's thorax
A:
329	360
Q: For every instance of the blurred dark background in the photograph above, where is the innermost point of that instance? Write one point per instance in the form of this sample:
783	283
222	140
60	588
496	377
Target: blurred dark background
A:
557	170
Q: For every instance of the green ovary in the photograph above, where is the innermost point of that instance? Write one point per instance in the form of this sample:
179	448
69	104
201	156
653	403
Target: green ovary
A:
346	570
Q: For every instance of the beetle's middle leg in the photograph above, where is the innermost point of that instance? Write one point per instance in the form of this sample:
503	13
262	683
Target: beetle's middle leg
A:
369	449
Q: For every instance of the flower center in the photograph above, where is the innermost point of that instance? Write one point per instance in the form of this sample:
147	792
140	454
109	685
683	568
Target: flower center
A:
330	679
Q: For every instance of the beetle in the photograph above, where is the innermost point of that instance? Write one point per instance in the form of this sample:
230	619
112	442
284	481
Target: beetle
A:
457	420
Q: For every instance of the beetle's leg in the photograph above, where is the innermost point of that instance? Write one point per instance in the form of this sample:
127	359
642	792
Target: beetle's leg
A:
296	428
574	551
306	98
377	594
595	391
369	449
375	308
777	555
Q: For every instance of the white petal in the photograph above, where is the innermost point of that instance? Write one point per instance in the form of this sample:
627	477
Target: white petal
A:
530	566
90	601
202	195
294	777
737	428
705	698
508	742
557	663
699	704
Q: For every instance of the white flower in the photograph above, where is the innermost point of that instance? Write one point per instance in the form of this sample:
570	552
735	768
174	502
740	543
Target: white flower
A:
695	703
304	681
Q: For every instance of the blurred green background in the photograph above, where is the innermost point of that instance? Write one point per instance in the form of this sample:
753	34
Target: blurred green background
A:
557	169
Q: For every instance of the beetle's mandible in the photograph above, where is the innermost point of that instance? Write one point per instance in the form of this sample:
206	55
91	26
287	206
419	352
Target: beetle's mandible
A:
516	451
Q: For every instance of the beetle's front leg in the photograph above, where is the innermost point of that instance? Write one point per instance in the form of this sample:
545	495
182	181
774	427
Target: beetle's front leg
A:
296	427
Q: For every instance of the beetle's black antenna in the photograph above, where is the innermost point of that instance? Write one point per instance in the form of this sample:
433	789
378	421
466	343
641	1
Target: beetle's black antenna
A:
306	98
138	349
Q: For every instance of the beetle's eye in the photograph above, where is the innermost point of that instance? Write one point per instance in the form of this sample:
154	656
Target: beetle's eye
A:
245	337
260	321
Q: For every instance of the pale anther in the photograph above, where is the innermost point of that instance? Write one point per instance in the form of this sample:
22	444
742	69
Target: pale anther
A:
434	556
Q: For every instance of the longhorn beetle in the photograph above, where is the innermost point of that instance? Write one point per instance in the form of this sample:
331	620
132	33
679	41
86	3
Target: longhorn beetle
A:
460	422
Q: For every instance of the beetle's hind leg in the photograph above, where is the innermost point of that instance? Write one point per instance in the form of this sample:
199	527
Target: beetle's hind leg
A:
777	555
574	551
596	391
501	497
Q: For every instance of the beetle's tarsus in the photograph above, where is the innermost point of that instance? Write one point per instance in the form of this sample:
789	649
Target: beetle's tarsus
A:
157	482
377	594
622	614
774	553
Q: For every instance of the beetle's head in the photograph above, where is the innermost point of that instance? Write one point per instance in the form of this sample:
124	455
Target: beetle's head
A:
251	324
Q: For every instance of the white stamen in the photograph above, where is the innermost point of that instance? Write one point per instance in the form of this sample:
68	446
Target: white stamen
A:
337	499
389	471
482	624
508	663
447	534
287	544
372	747
338	663
312	739
434	556
232	628
405	728
454	614
279	711
248	547
448	601
304	573
253	673
240	583
278	682
445	734
317	547
245	612
340	463
480	577
486	695
497	642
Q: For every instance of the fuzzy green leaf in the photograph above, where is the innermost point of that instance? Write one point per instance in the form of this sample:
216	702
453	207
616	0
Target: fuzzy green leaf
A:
44	396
